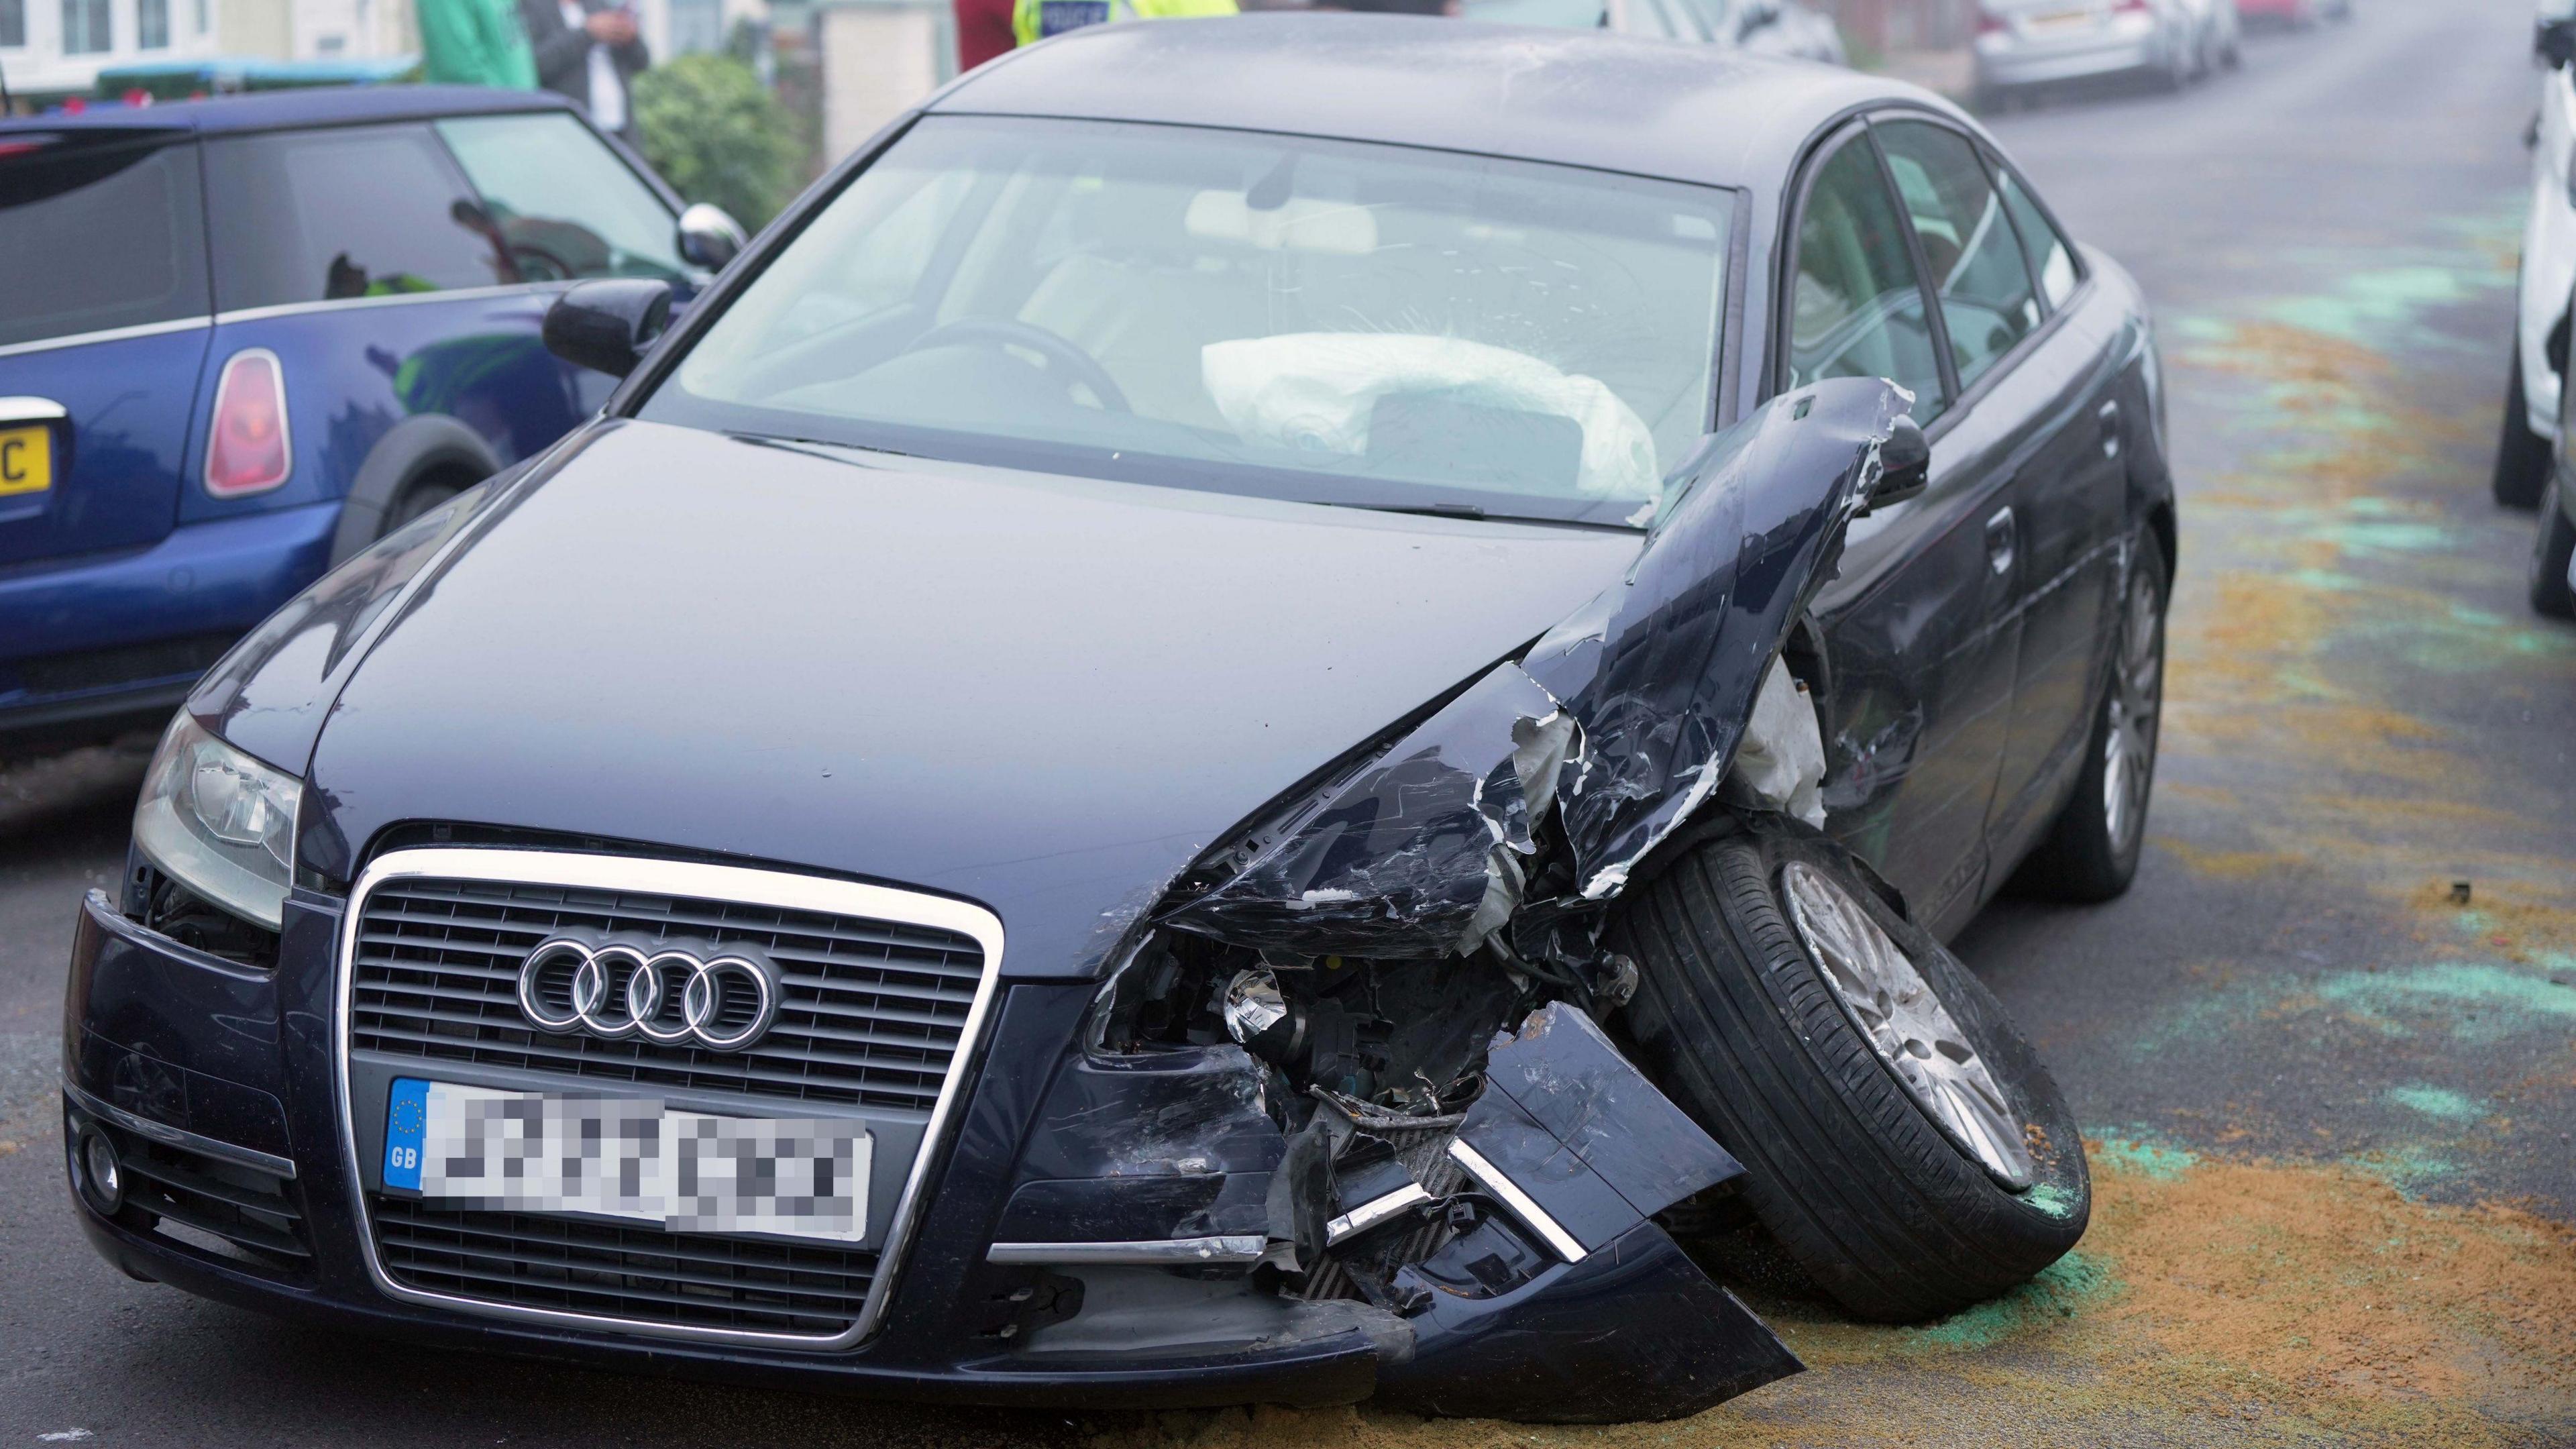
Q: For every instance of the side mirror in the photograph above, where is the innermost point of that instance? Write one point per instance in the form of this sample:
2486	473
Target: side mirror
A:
606	324
709	237
1905	467
1757	15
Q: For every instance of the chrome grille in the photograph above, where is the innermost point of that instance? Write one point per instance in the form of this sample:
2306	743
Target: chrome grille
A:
872	1014
567	1265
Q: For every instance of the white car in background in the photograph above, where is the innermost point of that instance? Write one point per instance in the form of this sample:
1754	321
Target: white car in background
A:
2548	273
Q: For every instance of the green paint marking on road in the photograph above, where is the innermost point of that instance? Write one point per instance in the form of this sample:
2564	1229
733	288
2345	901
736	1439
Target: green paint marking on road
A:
2056	1293
2051	1199
2408	1169
2481	1002
2439	1102
2147	1159
2379	306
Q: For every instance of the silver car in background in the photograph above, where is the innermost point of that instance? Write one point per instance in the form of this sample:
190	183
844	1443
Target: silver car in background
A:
2022	44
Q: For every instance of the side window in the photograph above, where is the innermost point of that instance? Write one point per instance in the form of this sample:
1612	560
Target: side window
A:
1856	306
2050	256
1988	299
562	201
323	215
98	234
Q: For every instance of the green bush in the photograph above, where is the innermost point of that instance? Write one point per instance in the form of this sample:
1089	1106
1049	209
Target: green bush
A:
717	135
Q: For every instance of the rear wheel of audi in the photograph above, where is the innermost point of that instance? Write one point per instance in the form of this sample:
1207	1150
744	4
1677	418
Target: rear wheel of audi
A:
2551	549
1900	1140
2091	853
2522	456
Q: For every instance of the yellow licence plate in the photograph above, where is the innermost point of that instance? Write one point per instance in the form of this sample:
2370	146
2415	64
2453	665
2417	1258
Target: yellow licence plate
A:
2061	20
26	460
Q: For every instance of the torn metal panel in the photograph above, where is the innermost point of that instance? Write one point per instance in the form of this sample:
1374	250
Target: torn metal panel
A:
1621	721
1404	855
1662	671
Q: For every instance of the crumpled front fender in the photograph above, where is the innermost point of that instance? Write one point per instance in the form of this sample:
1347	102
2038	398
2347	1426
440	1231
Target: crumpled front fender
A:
1620	721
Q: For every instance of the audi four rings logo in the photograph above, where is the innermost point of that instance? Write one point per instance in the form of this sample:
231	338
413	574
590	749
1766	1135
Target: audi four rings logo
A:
666	994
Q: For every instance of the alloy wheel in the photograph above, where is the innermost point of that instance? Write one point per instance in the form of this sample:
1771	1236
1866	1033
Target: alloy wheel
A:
1905	1023
2134	702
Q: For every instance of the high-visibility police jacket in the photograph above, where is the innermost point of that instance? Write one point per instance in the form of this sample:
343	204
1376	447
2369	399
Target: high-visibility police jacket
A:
1035	20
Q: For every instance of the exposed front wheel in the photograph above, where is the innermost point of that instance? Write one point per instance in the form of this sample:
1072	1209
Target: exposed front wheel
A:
2522	456
1900	1139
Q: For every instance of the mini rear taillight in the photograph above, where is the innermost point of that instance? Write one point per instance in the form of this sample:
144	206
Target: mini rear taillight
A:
1989	23
2135	7
246	452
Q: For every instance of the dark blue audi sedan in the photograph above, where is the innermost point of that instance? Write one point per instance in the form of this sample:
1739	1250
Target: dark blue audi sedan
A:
1249	735
242	338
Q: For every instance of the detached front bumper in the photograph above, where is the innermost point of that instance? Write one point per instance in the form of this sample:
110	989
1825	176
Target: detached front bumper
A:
218	1088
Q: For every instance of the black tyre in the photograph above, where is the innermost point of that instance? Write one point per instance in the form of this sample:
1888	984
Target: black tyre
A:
2522	456
420	498
1866	1168
2551	547
2091	853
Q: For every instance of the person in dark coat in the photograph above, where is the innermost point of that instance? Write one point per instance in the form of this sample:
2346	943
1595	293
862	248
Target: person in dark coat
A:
588	50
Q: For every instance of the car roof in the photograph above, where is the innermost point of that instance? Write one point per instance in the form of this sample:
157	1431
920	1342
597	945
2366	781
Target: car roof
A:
1681	111
291	109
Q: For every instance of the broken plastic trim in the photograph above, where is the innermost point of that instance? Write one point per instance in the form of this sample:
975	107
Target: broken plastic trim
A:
1619	723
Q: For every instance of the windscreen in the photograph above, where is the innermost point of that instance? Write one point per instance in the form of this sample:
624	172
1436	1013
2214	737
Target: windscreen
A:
1254	313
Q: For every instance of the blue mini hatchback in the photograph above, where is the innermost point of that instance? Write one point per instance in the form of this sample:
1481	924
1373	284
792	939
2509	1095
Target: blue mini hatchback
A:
240	339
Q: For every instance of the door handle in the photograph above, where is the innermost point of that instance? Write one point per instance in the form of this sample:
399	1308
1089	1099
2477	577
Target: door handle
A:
2109	417
1999	541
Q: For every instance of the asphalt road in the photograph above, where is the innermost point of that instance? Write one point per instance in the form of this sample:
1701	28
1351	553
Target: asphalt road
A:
2329	1106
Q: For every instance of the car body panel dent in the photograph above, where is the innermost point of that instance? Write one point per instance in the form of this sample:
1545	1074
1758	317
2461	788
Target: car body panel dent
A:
1421	850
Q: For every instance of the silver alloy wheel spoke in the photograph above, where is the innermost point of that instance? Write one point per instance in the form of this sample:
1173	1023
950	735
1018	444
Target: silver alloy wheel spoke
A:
1906	1024
2137	688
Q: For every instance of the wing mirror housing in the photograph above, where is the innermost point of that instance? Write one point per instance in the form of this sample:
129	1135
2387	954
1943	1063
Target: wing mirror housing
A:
1904	467
607	324
1758	14
709	237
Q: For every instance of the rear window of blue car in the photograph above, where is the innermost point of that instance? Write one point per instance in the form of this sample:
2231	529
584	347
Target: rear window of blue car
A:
98	232
360	211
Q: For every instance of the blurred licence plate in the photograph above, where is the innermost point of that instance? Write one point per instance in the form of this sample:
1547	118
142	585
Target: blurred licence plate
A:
2061	19
628	1157
26	460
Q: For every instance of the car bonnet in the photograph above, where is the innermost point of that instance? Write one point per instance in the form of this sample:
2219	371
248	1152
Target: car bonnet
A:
1043	694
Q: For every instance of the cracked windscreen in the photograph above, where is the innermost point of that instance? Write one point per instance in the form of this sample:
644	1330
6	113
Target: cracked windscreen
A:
1336	321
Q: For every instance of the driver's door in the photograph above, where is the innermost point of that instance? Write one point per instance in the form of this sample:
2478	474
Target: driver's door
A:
1919	630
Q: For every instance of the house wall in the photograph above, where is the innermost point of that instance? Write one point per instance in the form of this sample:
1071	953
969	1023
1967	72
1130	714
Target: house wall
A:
40	67
878	59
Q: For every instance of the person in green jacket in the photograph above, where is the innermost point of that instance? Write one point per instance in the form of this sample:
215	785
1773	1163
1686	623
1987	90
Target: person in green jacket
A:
476	43
1035	20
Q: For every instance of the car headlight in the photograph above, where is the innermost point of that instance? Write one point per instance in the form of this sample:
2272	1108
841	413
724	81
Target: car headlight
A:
219	823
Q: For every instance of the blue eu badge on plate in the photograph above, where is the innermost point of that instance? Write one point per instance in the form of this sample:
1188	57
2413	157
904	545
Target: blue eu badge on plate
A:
406	1120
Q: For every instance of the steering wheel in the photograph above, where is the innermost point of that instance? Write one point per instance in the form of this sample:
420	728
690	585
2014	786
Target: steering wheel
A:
1001	332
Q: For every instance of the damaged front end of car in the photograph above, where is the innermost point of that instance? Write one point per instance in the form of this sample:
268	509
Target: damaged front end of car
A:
1351	1076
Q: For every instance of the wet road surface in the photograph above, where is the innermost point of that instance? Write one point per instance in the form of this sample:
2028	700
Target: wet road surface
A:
2329	1105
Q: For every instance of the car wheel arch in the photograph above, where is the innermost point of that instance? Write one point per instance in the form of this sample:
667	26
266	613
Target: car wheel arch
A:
416	448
